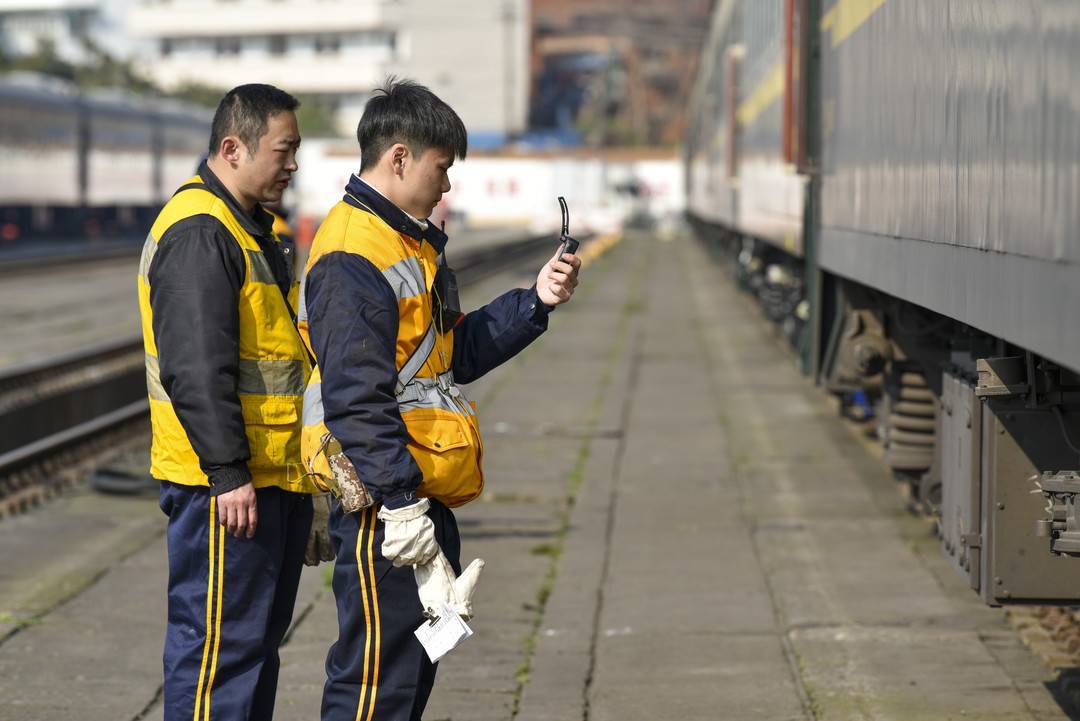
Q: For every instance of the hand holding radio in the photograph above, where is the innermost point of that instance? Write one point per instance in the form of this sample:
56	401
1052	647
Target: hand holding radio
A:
568	244
559	277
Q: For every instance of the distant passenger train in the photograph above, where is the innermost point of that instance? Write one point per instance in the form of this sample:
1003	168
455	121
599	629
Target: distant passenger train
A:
89	164
899	181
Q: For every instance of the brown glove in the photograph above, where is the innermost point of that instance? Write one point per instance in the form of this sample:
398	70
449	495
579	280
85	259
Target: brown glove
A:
319	547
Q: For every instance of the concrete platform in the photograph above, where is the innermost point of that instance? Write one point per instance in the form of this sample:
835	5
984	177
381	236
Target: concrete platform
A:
675	524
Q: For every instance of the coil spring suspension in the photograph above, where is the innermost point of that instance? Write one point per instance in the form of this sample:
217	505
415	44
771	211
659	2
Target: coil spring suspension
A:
910	429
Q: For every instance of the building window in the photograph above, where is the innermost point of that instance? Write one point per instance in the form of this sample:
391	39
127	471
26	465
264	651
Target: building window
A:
227	46
327	44
278	44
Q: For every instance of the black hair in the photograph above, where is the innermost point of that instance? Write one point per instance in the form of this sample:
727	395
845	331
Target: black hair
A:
403	111
245	112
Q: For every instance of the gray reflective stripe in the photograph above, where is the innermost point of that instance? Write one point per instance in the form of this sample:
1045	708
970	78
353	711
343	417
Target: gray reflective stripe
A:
417	359
436	397
313	409
439	392
154	388
149	249
406	277
436	400
260	267
257	377
271	377
422	393
301	313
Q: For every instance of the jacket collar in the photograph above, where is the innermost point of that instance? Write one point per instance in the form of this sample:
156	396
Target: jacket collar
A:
360	195
257	224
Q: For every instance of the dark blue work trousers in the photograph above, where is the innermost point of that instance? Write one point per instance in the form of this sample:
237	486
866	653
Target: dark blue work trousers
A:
377	670
230	603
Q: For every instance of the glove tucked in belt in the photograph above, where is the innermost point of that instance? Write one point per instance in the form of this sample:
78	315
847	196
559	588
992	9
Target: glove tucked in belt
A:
409	535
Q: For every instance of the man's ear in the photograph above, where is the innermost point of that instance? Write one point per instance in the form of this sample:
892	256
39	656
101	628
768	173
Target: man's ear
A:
399	155
230	149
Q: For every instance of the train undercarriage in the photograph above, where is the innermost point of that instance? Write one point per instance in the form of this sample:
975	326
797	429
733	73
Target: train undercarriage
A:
983	435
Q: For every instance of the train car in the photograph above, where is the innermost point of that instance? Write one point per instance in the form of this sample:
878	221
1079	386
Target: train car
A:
40	136
122	188
184	139
939	261
90	164
744	149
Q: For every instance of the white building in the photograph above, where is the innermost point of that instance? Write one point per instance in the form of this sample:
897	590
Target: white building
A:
472	53
26	24
67	25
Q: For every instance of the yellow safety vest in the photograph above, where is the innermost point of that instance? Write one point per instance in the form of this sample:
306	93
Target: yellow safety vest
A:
273	371
281	228
444	434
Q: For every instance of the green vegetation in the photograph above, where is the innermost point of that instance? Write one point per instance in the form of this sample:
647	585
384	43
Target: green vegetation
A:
17	621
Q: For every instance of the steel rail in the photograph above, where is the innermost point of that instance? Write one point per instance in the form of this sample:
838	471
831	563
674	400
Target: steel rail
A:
15	263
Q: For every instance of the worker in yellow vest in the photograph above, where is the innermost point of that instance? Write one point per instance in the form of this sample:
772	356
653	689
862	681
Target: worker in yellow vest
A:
225	372
282	229
391	347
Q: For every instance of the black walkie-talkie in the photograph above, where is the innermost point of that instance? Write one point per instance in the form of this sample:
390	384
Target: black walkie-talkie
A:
569	245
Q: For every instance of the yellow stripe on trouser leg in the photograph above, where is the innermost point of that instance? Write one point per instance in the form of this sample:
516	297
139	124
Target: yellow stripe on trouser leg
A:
367	523
217	615
209	610
375	606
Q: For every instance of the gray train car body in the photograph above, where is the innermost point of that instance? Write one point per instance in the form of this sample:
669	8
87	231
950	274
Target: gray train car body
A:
935	272
710	146
950	161
88	164
39	137
741	170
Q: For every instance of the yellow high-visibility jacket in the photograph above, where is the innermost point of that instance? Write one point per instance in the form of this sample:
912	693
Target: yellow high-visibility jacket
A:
389	361
256	379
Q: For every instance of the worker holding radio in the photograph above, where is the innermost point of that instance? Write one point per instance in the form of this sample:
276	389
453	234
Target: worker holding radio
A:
385	421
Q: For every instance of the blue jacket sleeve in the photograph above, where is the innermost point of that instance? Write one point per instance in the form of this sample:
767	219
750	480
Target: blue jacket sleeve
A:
353	325
491	335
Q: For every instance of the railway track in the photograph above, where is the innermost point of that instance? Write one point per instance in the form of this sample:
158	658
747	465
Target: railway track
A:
62	255
64	416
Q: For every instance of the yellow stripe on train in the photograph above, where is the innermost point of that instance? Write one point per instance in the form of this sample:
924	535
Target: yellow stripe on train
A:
847	16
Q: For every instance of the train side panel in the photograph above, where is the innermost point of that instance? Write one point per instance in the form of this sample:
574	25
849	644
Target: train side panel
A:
710	146
951	160
185	140
121	156
39	140
771	192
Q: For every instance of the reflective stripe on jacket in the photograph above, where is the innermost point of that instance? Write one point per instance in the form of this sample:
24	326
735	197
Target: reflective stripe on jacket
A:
265	381
366	309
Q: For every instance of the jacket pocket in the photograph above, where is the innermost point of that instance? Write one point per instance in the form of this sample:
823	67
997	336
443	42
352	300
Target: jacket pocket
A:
272	426
447	455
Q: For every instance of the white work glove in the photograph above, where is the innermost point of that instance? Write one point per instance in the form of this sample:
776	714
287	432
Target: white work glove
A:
319	547
436	582
409	536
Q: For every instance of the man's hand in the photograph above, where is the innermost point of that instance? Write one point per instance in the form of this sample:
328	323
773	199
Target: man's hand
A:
409	536
238	511
557	279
